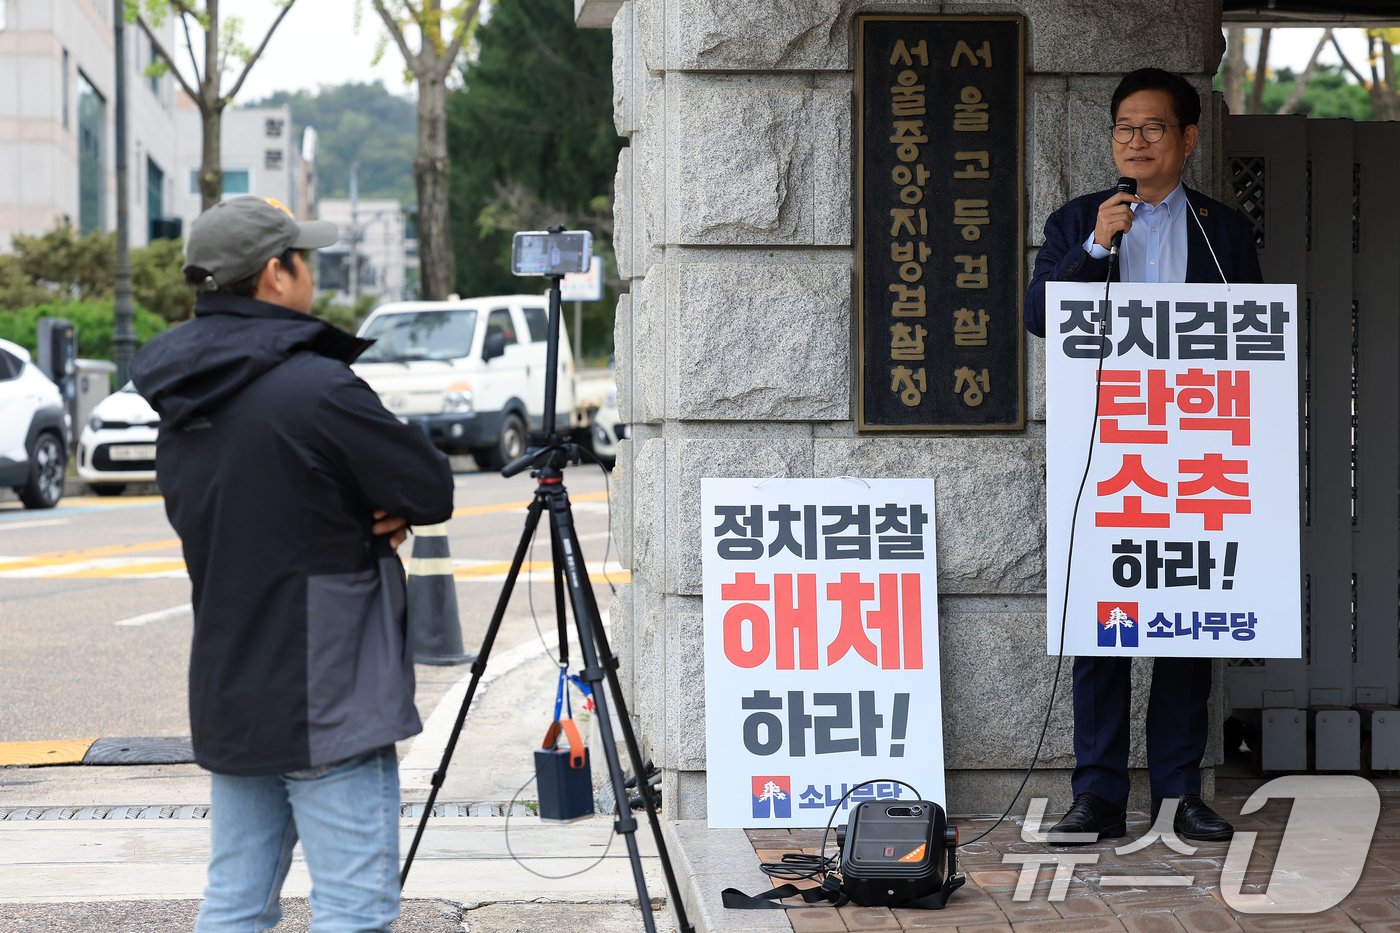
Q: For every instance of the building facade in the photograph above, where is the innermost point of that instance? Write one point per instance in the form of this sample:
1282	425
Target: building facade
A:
57	129
375	238
261	155
735	196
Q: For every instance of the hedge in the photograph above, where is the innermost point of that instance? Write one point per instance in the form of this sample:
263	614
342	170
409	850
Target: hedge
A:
94	322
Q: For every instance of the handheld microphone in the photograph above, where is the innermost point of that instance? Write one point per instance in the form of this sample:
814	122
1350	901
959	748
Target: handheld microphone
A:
1125	185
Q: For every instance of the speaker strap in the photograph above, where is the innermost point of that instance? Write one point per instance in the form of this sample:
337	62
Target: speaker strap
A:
828	894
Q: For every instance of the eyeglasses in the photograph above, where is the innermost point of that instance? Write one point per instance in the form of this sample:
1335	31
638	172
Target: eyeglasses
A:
1151	132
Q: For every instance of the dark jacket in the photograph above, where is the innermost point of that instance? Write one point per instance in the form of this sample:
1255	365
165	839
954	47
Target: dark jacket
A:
1063	259
272	456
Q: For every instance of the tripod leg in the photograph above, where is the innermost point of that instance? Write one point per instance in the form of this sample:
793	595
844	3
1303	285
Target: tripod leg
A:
589	624
634	751
532	519
558	574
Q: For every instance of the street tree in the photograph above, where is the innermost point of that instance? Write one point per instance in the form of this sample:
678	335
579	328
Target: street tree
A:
441	32
223	53
1381	83
1319	90
1300	85
533	144
1243	86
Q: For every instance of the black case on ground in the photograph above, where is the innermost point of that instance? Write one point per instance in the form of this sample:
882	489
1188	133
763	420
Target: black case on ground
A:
892	852
566	794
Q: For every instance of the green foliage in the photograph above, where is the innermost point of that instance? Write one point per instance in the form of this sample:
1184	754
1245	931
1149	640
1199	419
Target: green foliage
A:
16	288
1329	93
158	280
62	269
532	139
71	265
357	122
346	317
93	320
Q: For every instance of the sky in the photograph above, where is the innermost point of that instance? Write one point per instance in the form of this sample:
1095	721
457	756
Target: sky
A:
317	44
1294	46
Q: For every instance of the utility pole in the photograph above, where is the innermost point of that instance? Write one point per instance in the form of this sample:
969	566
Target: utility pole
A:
354	233
123	333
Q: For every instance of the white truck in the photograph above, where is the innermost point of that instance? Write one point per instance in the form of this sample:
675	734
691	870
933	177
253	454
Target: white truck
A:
471	373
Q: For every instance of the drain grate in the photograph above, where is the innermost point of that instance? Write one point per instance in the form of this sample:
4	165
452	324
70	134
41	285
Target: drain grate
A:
26	814
201	811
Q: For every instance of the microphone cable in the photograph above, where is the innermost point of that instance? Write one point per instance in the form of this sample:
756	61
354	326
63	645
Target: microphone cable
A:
1130	188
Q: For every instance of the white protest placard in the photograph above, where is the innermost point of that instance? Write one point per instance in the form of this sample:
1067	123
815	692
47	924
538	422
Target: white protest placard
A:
821	647
1186	542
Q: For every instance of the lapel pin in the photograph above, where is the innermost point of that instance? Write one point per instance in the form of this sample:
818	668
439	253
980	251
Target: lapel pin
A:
1205	211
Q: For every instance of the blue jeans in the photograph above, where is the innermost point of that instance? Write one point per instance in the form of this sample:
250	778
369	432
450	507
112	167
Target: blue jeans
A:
347	817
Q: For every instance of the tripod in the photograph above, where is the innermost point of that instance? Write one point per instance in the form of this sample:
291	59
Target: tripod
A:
548	457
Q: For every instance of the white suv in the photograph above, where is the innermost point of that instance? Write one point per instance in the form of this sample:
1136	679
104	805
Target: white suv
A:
33	439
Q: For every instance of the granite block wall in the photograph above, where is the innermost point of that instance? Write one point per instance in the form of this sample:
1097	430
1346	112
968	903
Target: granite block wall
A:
735	344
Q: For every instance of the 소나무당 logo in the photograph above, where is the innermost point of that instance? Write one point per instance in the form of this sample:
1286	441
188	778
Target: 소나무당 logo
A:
1118	625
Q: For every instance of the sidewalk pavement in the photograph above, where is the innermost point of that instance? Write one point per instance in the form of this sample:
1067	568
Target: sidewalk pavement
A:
1152	890
123	848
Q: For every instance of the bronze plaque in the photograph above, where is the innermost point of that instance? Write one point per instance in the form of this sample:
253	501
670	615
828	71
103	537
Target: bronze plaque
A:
939	195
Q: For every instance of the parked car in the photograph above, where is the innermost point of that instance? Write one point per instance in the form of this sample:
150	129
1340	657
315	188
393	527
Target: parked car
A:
608	429
33	433
118	444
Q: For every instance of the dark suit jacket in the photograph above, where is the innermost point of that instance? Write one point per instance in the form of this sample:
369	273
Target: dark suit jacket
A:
1063	259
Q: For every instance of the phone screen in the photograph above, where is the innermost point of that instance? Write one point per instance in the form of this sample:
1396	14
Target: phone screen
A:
545	253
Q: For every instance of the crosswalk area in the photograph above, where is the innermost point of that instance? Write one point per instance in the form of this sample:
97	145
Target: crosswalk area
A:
102	564
161	558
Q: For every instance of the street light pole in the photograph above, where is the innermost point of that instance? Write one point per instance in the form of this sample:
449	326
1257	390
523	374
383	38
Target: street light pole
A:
123	333
354	233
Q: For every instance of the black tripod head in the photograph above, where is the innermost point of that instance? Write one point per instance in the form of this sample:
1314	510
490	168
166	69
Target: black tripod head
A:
545	452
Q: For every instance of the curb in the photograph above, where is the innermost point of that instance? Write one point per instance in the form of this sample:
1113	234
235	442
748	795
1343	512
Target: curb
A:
72	486
139	750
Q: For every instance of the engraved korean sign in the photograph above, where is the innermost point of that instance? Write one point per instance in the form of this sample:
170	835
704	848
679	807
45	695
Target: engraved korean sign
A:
939	198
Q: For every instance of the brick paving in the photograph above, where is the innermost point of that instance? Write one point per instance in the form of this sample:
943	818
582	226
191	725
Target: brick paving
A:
1095	897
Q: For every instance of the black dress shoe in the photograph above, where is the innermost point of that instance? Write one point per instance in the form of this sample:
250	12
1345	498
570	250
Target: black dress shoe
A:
1089	819
1195	819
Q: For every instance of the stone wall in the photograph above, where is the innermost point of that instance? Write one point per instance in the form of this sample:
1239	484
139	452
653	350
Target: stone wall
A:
735	345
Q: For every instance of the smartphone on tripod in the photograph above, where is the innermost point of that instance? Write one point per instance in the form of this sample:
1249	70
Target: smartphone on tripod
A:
552	253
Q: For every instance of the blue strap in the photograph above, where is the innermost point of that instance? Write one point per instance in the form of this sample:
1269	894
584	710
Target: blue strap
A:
562	702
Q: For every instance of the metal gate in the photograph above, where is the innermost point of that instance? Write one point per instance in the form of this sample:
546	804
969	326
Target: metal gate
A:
1324	196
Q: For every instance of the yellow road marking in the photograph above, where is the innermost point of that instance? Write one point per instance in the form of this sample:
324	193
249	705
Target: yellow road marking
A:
522	505
499	569
52	752
110	501
73	557
53	559
617	579
124	570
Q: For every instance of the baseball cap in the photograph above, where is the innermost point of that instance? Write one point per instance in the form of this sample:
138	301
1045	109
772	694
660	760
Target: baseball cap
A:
235	238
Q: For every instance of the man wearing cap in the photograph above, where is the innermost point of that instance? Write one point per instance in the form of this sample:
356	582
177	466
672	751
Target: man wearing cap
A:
291	487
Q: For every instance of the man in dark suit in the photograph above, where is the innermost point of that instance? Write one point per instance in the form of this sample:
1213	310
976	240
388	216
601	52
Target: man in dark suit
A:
1170	233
